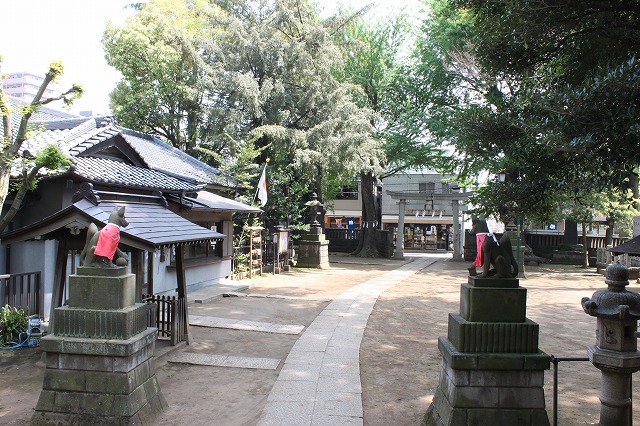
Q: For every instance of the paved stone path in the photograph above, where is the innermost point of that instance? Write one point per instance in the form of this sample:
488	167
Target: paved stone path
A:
236	324
319	383
224	361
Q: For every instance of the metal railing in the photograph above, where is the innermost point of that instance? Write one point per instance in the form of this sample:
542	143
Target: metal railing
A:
555	360
23	291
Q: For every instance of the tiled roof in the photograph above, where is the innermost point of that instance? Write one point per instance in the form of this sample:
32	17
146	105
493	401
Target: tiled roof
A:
150	224
102	170
44	114
92	137
168	169
165	158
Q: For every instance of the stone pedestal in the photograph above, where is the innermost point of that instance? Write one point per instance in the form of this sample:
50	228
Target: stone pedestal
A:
492	370
99	358
313	251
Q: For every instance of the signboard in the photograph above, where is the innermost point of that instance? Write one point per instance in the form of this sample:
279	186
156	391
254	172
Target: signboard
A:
636	226
283	241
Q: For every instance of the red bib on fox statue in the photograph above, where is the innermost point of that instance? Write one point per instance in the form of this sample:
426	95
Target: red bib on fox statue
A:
101	246
108	240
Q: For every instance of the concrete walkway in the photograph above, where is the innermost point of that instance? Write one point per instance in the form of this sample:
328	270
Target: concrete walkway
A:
319	383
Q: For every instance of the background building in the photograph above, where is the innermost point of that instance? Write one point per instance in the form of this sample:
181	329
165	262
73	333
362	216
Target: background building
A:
428	220
24	85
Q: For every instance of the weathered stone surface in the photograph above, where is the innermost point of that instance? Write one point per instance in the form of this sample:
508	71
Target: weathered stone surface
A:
620	362
122	394
495	337
92	271
106	347
99	358
492	370
118	324
313	254
101	292
475	281
489	304
488	397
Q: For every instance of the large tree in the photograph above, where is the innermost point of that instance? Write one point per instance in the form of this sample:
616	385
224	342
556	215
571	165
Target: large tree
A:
548	92
20	166
164	53
268	72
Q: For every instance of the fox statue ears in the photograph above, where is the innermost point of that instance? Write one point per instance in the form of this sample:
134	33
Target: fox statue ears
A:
117	217
479	224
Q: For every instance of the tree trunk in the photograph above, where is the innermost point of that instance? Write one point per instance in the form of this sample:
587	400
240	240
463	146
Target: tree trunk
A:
367	245
633	183
570	233
608	235
585	247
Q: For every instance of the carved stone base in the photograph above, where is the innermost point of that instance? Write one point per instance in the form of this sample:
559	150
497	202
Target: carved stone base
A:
489	389
492	370
313	254
99	360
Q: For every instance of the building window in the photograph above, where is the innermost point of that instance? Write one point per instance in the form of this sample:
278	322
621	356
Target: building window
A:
207	250
424	187
348	192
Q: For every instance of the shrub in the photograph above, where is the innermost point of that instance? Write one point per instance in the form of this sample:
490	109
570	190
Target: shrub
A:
12	322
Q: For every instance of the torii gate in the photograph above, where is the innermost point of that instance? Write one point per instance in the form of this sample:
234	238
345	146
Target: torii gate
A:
454	198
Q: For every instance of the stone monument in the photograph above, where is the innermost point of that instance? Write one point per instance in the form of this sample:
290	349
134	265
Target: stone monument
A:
492	369
616	350
313	247
99	358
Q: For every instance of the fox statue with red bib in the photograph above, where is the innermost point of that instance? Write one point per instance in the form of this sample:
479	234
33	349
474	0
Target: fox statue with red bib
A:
492	252
101	246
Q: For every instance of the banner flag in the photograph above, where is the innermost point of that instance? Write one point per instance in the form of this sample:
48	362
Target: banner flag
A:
262	187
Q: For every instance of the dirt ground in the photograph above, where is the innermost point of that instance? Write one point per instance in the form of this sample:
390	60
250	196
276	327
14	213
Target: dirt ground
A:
400	362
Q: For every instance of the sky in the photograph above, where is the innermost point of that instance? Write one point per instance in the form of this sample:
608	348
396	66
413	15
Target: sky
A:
35	32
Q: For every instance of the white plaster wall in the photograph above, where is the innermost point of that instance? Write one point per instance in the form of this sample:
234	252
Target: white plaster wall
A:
165	278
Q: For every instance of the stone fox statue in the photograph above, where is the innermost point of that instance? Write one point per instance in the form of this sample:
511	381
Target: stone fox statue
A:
492	253
102	245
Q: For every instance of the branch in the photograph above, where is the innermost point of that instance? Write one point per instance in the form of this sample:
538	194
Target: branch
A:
27	180
6	121
75	90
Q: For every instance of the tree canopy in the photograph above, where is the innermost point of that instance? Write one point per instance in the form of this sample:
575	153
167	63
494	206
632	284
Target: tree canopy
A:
544	90
253	70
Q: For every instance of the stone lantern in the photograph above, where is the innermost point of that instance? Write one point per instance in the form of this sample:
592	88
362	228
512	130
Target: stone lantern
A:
313	247
315	207
616	350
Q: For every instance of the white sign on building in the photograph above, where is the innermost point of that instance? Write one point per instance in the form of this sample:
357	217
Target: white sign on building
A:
636	226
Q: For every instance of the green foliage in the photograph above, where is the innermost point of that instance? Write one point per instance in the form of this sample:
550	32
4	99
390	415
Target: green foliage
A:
209	74
298	229
52	157
240	262
56	69
161	53
287	192
547	92
374	60
238	161
12	322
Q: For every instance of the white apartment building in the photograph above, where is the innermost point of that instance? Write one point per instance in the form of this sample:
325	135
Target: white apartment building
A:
24	85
